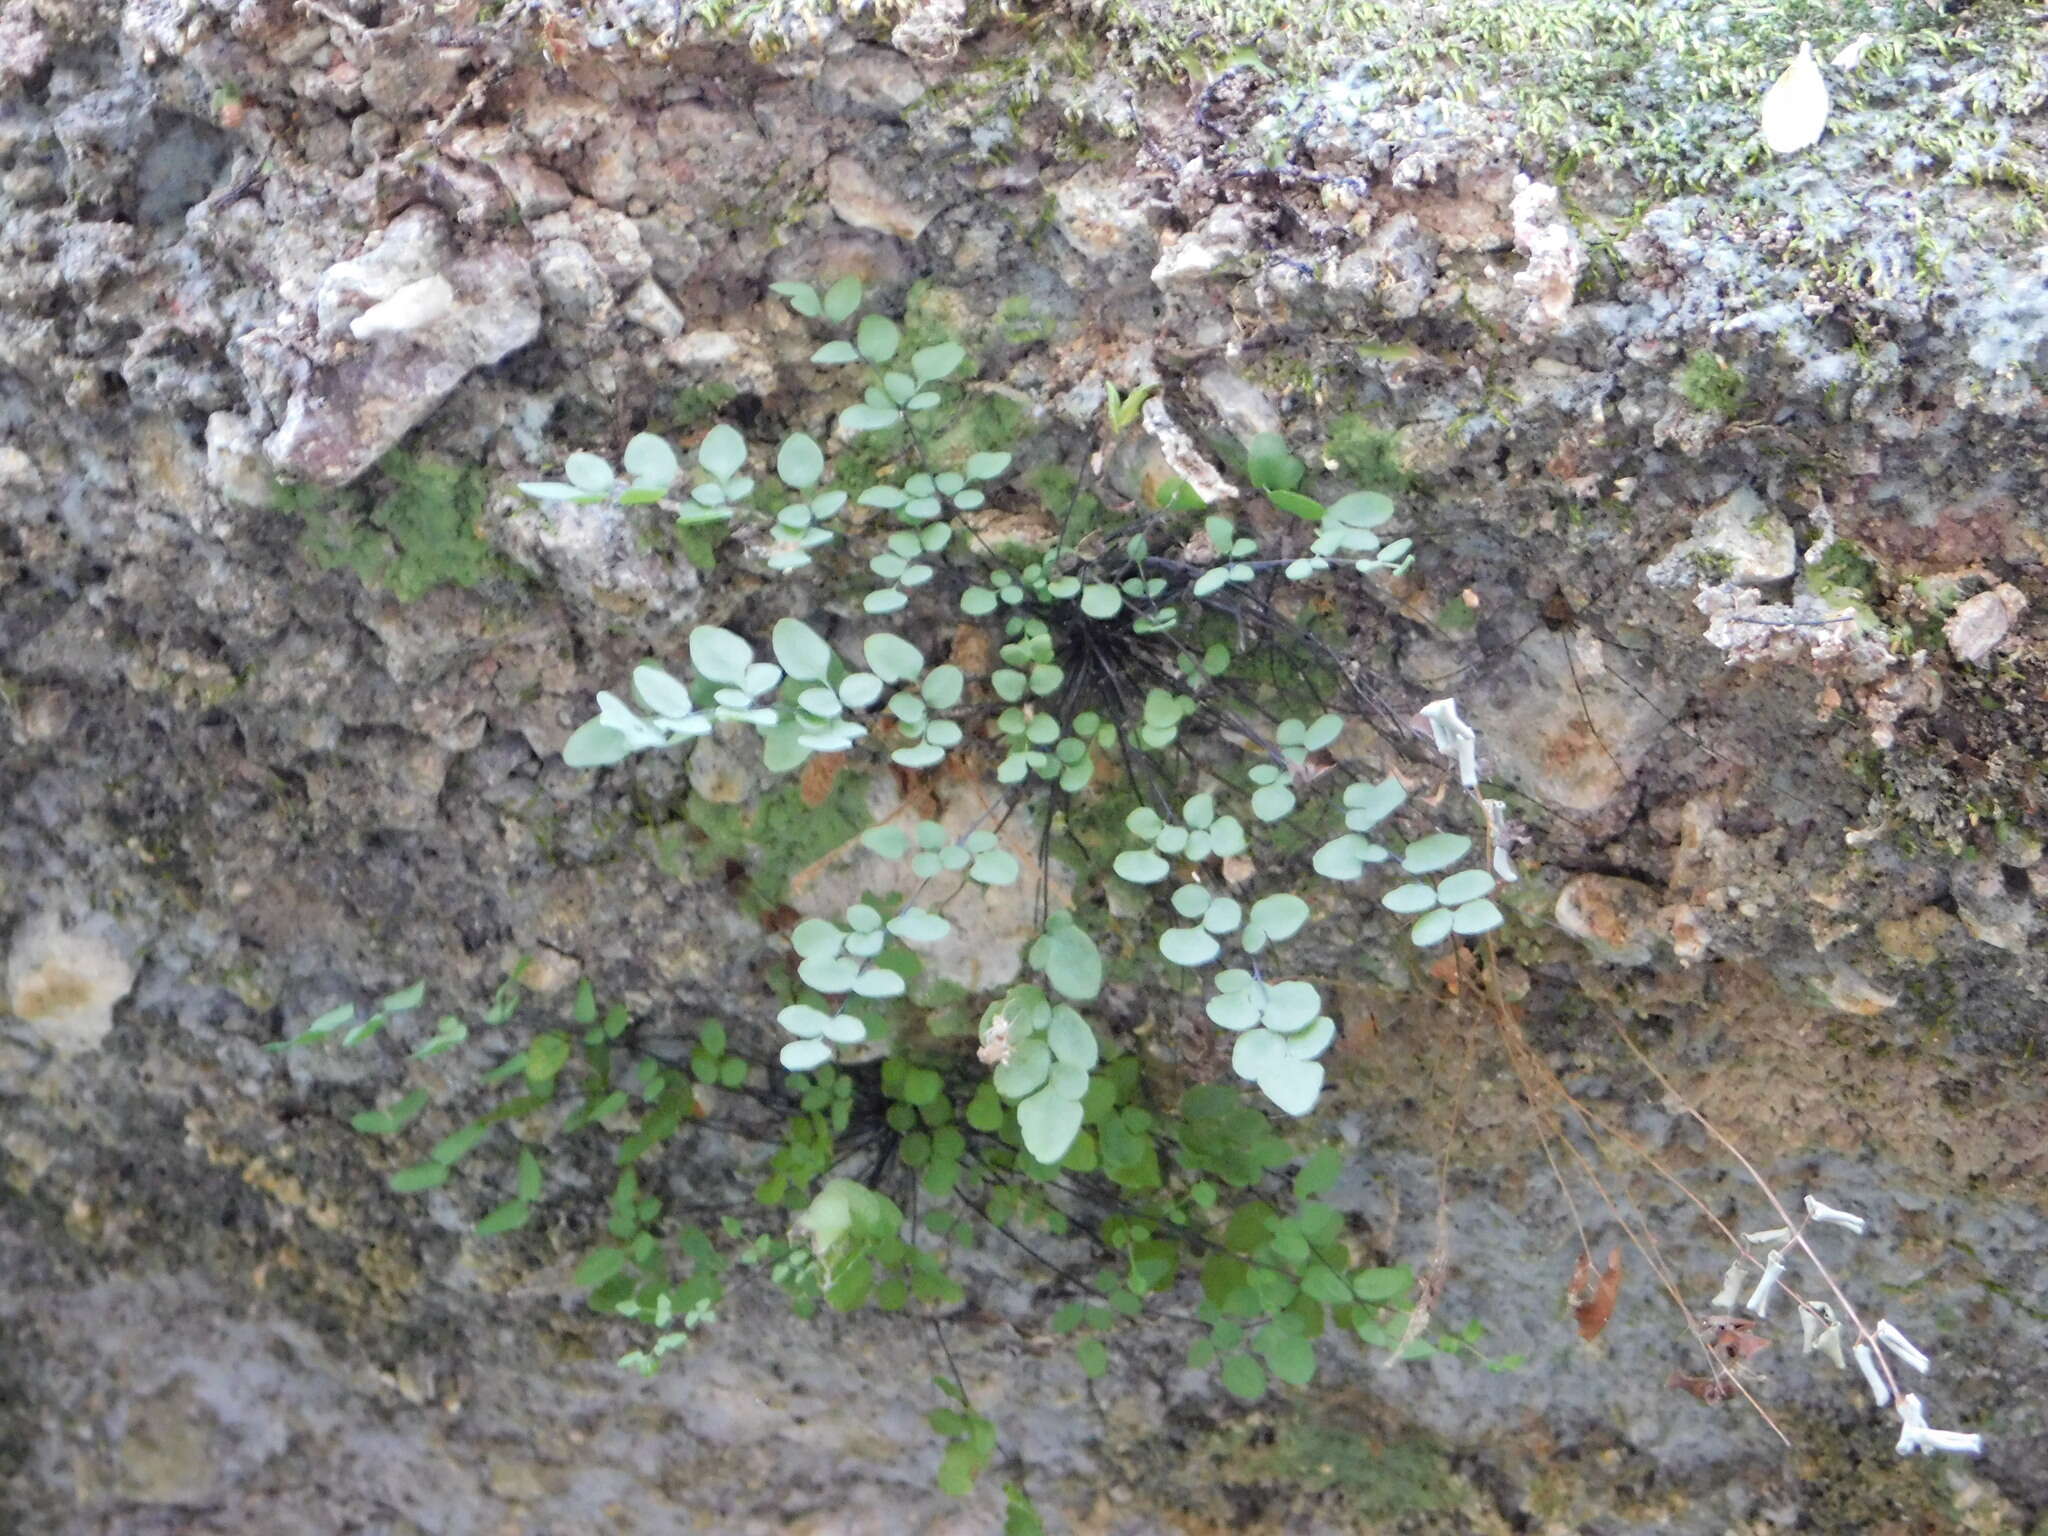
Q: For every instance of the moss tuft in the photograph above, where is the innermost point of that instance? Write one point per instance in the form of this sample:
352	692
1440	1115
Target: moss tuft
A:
421	535
1712	384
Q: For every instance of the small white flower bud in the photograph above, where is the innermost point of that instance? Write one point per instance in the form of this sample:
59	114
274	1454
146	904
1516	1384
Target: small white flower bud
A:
1760	1299
1866	1362
1901	1346
1821	1211
1731	1287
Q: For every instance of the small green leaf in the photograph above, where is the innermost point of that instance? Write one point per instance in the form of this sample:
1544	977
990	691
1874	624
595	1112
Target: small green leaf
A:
719	654
937	362
892	658
877	337
800	463
1243	1377
508	1217
1382	1285
1466	885
1070	961
723	453
428	1175
842	299
452	1148
529	1176
1094	1359
598	1266
1319	1173
1439	850
1049	1122
546	1057
1409	899
1188	946
802	297
1475	917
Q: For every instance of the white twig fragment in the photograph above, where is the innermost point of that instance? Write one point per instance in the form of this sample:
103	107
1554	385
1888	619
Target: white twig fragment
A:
1866	1362
1454	738
1901	1346
1820	1210
1774	1235
1760	1299
1731	1287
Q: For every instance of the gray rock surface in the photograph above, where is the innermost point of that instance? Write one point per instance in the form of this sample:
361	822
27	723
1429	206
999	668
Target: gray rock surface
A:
282	787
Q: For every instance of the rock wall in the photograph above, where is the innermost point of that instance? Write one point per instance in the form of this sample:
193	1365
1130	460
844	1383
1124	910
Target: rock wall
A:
1734	561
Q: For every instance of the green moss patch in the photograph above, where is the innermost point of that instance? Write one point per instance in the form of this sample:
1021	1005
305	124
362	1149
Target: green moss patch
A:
419	534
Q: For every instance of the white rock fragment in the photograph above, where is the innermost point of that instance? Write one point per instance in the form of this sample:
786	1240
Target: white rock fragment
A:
650	306
417	304
63	982
1096	213
1981	624
1221	238
1556	254
1738	539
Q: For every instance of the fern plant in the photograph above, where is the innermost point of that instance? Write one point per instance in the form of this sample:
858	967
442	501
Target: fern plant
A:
1153	703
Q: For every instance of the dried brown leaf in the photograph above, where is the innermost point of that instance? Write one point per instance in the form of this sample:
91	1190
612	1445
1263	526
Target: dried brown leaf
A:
1592	1300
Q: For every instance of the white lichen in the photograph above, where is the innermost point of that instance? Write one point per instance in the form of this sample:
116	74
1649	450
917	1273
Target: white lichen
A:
64	982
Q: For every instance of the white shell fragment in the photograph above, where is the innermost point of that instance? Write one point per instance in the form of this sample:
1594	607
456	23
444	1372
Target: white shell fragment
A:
1795	110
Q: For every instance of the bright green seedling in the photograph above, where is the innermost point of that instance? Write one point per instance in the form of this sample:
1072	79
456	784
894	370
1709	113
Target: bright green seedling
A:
341	1022
1121	411
724	482
1201	834
800	526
